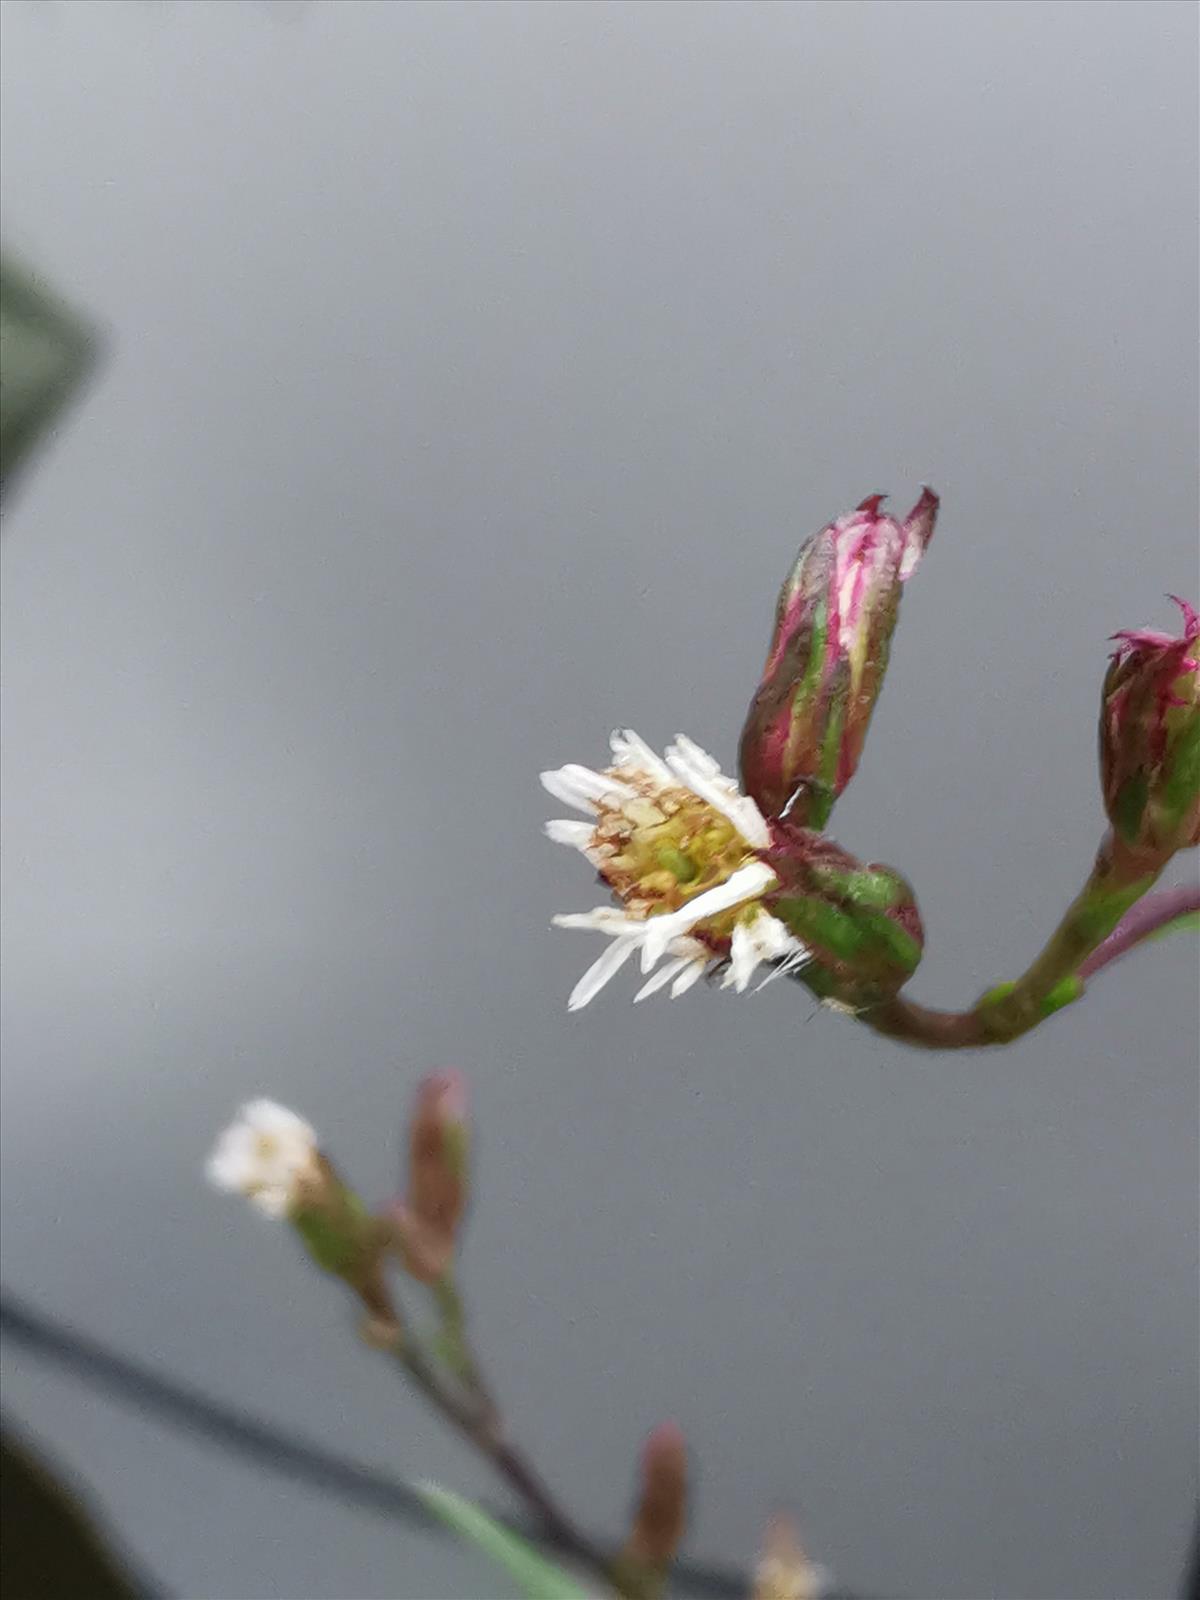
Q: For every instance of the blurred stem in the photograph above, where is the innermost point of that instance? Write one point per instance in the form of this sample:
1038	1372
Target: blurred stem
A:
468	1404
455	1343
1113	914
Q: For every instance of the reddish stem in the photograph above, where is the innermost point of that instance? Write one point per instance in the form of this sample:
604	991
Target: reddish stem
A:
1148	917
928	1029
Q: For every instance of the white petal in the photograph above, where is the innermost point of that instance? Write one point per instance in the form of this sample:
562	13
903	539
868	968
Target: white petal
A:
751	823
634	754
269	1117
791	963
267	1154
662	977
274	1202
744	884
772	938
702	776
604	919
691	974
743	958
578	835
690	754
582	788
697	769
231	1164
598	974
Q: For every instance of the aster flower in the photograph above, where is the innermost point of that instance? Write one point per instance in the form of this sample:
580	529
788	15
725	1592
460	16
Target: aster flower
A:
268	1154
681	848
785	1572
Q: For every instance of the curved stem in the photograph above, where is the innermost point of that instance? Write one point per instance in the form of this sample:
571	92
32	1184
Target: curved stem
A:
925	1027
1113	914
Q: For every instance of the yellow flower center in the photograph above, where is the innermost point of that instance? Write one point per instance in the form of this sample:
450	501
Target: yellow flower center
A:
664	847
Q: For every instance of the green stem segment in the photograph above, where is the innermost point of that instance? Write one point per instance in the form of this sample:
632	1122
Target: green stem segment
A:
344	1240
470	1407
1118	881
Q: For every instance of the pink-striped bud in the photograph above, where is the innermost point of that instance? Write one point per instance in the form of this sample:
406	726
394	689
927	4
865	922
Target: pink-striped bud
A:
834	620
1150	738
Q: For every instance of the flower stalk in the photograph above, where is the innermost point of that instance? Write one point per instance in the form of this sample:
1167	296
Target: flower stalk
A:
1075	953
714	881
273	1158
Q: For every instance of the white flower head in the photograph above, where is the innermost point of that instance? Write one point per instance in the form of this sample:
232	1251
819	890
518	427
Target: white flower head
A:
269	1154
680	847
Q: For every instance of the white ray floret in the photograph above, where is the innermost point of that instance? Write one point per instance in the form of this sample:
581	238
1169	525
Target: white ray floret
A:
763	939
563	830
268	1154
584	789
689	961
604	919
598	974
697	771
690	976
634	755
689	958
671	929
747	883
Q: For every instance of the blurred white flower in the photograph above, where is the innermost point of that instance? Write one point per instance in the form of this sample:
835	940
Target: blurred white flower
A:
679	845
785	1572
269	1154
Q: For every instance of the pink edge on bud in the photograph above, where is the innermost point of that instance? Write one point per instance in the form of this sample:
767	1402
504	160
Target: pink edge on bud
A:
918	531
1131	640
1148	736
834	620
663	1443
445	1093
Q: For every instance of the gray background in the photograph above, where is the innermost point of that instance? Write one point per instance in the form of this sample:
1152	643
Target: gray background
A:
474	373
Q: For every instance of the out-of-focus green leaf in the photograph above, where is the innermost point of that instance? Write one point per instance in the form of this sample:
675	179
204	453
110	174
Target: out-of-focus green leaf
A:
50	1550
45	353
538	1578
